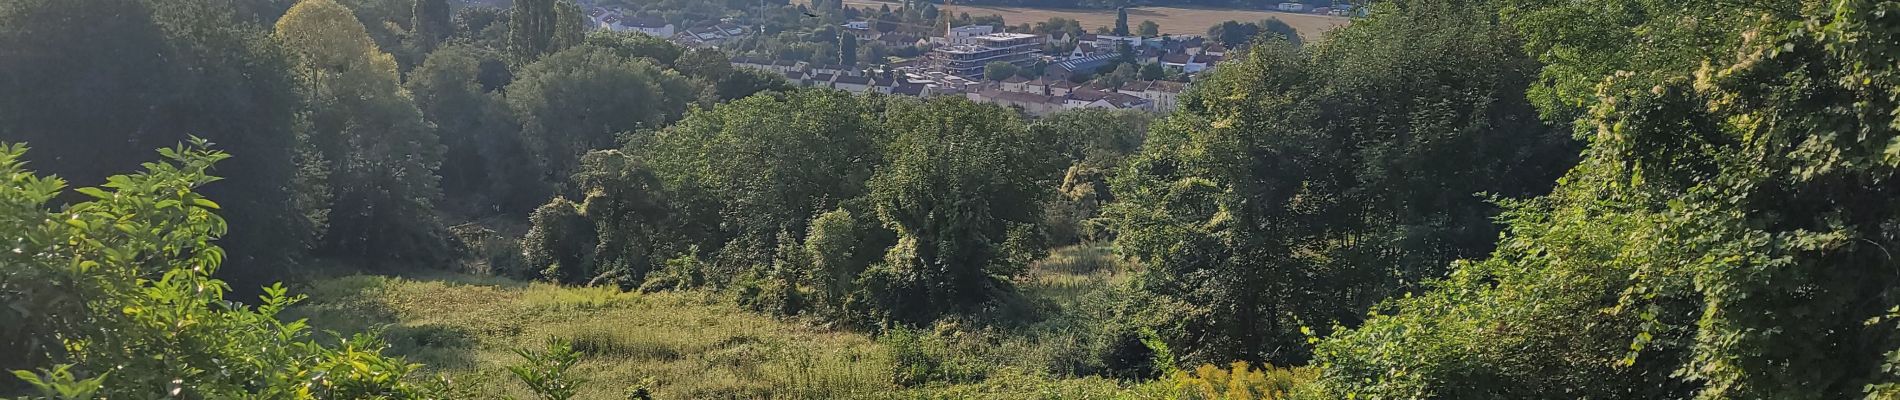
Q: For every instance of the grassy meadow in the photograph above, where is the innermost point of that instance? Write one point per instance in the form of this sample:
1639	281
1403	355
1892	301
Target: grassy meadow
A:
702	345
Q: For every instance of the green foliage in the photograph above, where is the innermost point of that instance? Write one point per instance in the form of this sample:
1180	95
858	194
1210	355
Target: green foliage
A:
1289	194
848	50
368	157
579	99
115	295
761	165
547	372
95	96
1724	237
1236	33
560	246
488	166
537	28
999	70
920	357
632	45
60	384
1240	381
431	24
958	178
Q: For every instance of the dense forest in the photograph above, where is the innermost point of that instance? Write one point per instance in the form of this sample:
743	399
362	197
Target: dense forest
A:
1468	199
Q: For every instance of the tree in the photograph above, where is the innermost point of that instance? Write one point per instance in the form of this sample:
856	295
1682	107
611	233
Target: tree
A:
488	166
432	24
541	27
1121	21
369	159
1283	194
1093	142
1233	33
1721	238
764	165
960	188
91	97
848	49
1151	72
999	70
1280	29
634	45
560	244
580	98
1149	29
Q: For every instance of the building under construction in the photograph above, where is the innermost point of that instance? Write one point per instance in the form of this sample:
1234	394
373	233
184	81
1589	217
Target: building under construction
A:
967	56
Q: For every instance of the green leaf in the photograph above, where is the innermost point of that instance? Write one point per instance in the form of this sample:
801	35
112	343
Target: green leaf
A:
94	192
205	203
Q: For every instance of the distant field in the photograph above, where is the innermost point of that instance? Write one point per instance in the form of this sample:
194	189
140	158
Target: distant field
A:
1173	20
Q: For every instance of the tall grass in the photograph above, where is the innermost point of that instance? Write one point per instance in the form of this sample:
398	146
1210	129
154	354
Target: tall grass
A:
692	345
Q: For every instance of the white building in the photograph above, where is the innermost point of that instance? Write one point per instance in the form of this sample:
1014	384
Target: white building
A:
962	35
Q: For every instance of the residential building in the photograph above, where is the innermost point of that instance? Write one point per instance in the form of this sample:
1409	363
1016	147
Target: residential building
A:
652	26
1031	103
1164	95
1190	63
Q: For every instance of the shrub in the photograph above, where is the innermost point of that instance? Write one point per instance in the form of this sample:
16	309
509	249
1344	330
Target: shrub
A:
116	295
1240	382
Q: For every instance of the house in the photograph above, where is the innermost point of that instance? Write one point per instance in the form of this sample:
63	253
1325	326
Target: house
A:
652	26
831	69
748	62
882	84
1016	83
897	40
1162	95
909	89
1213	49
1113	42
1084	97
785	66
820	80
854	84
1189	63
1123	101
1084	49
1030	103
1061	38
1292	7
1148	56
858	25
1062	87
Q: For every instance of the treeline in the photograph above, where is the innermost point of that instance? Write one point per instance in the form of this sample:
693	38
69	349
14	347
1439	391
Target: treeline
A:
344	150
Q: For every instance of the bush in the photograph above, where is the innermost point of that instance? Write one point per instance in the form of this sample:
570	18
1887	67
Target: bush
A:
1239	382
116	295
919	357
